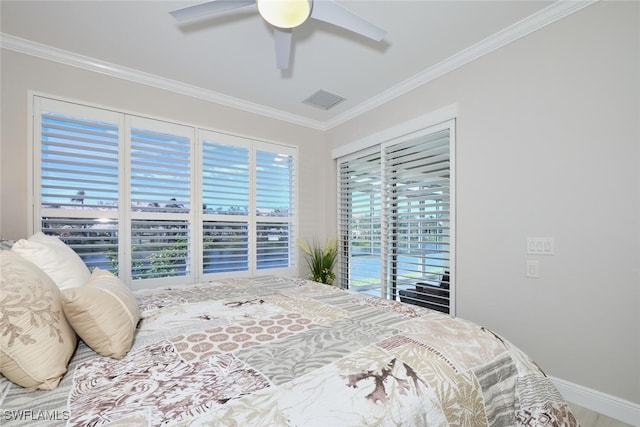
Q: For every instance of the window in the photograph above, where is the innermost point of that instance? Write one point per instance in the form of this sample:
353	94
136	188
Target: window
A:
360	222
225	206
274	208
78	180
396	219
159	202
248	205
160	175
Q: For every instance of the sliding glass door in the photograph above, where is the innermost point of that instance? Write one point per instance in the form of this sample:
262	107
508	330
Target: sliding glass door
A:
396	219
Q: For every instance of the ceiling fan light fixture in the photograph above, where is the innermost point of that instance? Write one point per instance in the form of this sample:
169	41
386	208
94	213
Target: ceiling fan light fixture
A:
284	13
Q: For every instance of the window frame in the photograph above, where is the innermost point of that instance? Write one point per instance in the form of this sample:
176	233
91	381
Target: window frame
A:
125	120
252	217
379	144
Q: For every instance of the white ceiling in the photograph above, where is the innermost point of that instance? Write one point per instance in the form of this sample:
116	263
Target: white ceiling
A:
230	58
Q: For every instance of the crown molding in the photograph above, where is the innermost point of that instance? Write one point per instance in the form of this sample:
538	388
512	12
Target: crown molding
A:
28	47
544	17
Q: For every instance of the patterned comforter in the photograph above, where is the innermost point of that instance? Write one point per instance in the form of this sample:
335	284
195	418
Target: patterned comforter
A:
289	352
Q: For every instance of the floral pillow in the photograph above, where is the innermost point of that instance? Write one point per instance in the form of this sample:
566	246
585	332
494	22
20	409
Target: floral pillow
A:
36	341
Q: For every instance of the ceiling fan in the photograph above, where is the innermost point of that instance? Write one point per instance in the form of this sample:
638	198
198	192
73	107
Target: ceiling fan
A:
284	15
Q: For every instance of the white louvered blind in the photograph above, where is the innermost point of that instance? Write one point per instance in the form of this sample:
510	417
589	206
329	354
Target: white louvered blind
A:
395	219
79	163
225	196
274	196
160	197
417	219
360	222
121	190
160	172
225	179
79	184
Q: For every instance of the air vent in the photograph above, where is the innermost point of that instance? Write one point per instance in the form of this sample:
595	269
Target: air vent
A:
323	99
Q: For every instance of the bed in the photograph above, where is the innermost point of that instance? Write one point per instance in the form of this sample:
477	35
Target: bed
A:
276	351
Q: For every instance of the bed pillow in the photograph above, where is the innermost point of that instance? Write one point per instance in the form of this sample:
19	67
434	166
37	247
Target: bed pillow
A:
36	341
104	313
55	258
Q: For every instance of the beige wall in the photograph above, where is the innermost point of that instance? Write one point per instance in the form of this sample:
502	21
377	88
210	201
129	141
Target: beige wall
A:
548	144
22	73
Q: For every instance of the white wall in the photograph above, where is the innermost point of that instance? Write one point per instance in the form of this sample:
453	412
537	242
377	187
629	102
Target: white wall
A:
22	73
548	144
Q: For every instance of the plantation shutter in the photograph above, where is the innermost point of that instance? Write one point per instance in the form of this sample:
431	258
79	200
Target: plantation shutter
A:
395	218
360	216
148	201
79	181
274	208
225	197
417	226
79	168
160	200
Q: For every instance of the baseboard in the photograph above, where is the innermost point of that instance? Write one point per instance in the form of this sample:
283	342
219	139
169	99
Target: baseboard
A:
606	404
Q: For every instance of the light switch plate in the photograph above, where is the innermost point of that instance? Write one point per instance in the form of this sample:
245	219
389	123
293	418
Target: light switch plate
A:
541	246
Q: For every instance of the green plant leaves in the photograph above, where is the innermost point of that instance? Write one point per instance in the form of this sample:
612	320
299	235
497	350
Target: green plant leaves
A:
321	260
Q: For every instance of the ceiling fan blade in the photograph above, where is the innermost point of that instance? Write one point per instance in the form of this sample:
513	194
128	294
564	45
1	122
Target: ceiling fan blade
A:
208	8
331	12
282	40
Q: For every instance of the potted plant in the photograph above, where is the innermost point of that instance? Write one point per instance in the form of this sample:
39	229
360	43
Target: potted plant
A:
321	260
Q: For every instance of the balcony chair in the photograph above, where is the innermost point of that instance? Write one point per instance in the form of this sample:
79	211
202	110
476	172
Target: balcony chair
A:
433	295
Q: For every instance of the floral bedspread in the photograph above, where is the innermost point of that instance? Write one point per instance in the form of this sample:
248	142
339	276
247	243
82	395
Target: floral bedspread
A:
276	351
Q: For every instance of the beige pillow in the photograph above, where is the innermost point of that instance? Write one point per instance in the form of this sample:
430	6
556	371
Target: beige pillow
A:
36	341
104	313
55	258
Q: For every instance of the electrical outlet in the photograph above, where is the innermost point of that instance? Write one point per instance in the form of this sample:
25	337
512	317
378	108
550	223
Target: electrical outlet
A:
533	268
